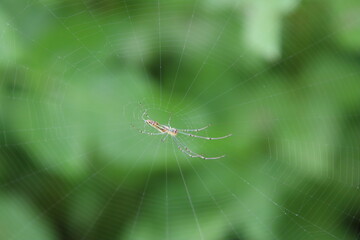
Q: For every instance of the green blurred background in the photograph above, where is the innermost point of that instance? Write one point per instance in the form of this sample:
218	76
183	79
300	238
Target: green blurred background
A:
281	75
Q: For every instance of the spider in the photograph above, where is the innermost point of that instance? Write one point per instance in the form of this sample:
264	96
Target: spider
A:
167	130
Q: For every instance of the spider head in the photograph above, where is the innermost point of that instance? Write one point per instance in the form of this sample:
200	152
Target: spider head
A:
173	131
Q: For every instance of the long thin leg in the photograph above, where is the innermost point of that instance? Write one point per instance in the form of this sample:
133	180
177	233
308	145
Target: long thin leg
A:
145	132
164	138
144	114
169	121
187	153
190	153
207	138
195	130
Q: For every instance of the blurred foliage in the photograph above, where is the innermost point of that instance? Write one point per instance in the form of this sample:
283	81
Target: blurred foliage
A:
281	75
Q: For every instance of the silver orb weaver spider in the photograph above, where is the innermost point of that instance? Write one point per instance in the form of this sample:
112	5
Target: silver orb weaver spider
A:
167	130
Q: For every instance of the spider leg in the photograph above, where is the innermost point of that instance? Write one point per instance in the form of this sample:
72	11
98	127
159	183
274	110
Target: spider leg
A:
190	153
169	119
144	114
163	139
207	138
195	130
145	132
187	153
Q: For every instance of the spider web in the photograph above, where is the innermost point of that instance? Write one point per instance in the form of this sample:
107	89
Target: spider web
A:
76	75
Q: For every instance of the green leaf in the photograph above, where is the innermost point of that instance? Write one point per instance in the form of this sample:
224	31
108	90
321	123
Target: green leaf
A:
345	24
10	47
263	22
20	221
